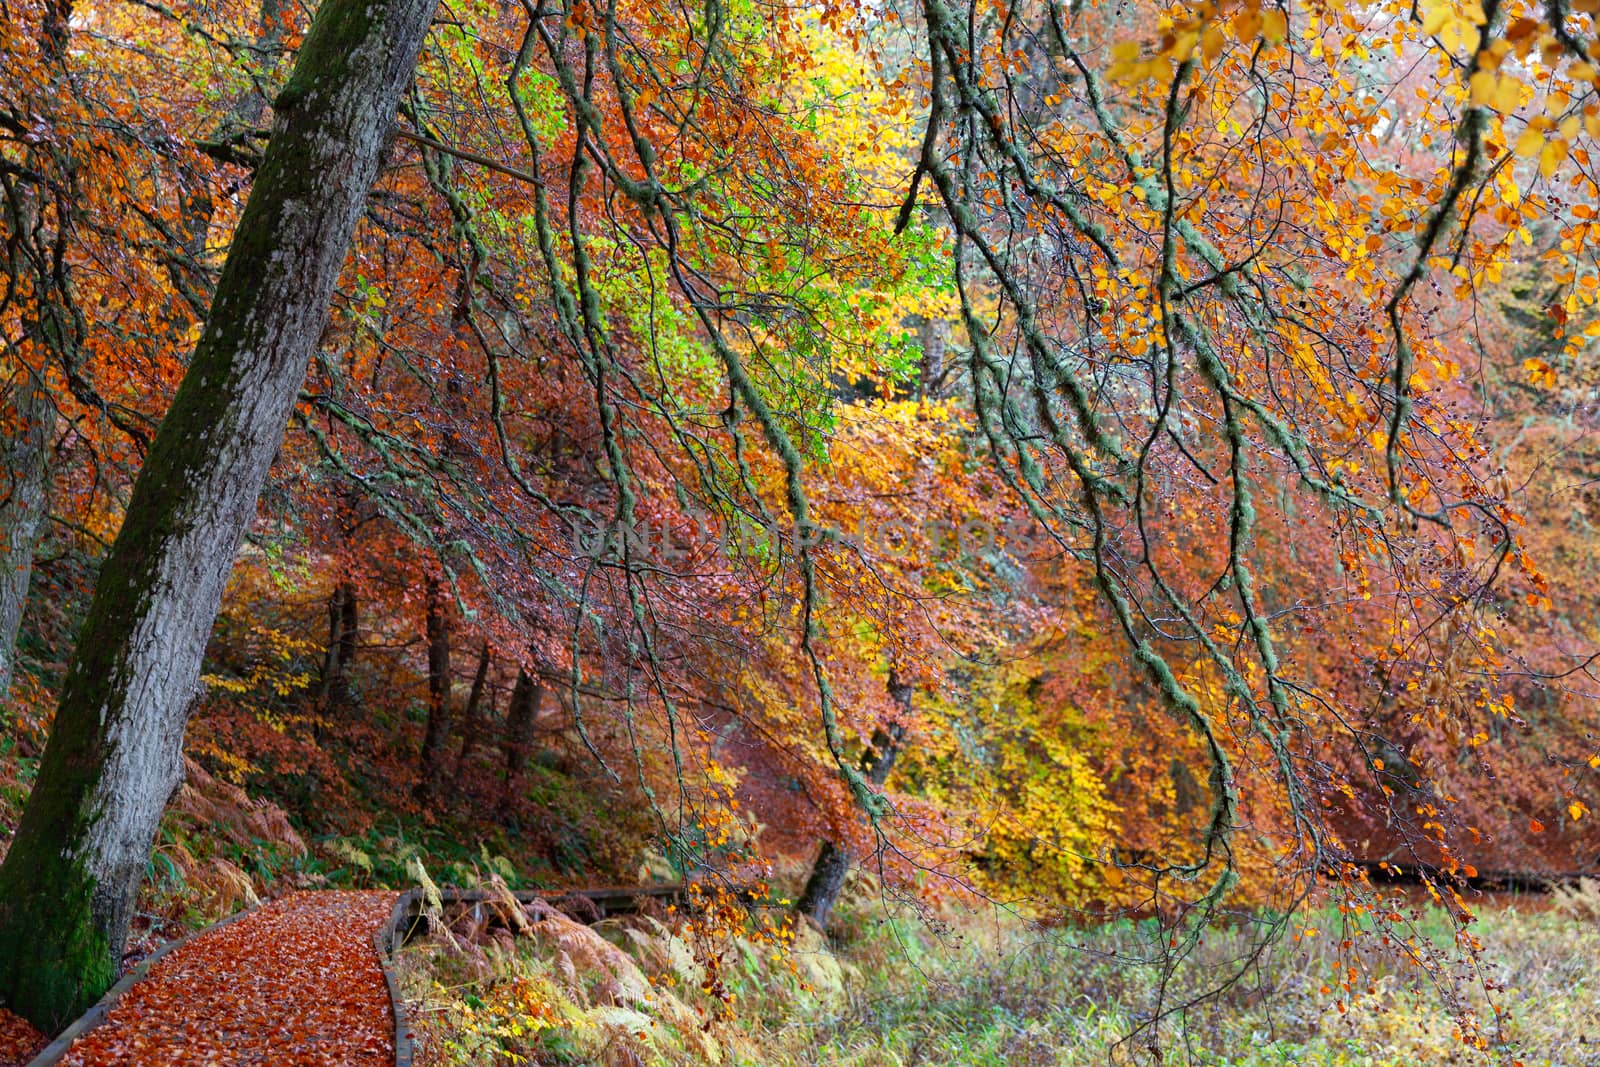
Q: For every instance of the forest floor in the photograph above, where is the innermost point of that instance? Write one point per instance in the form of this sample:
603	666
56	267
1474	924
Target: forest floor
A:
992	990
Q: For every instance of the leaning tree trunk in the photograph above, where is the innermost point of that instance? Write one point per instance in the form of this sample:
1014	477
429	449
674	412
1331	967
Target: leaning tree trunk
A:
22	505
115	751
438	731
834	860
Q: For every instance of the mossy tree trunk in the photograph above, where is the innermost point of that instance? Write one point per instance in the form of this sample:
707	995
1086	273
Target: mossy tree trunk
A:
115	751
835	859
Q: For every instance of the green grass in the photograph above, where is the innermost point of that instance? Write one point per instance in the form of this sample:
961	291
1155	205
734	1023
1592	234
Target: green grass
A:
1005	995
991	990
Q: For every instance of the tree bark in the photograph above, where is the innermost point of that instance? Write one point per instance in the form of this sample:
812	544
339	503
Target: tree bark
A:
437	736
115	752
472	718
521	714
342	622
22	512
834	860
38	216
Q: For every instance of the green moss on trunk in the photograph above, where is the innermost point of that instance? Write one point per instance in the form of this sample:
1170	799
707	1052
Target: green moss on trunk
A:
55	959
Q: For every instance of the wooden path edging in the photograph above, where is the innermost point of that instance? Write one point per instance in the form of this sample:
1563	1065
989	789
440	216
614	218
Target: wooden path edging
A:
55	1050
402	1030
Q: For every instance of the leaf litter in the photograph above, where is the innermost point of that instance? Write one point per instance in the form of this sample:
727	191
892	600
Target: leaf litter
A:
296	983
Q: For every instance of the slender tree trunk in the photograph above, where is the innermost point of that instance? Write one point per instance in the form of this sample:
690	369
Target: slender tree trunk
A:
834	860
349	630
437	737
342	620
115	752
827	879
22	511
38	216
472	718
521	715
931	333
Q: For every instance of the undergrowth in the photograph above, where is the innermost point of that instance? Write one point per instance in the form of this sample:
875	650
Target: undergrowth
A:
994	990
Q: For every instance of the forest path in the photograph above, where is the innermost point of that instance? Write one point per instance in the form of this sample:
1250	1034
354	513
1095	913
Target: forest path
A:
296	982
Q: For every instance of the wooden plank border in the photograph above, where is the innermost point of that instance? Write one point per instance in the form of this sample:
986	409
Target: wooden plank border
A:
381	947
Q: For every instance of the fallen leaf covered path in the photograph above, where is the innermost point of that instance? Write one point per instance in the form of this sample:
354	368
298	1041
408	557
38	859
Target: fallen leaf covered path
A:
296	982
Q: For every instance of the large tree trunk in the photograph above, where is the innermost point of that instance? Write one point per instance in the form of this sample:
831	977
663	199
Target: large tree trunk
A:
472	718
22	510
437	735
521	715
834	860
115	751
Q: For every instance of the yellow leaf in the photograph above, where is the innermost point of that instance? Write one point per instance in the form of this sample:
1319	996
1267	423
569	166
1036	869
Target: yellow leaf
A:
1246	25
1482	85
1539	372
1274	26
1554	154
1499	91
1530	143
1507	94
